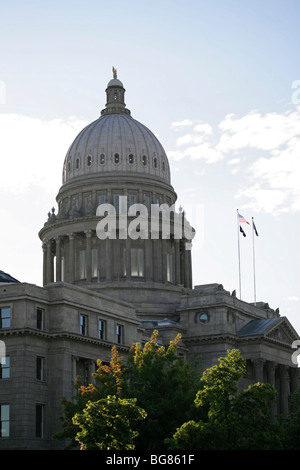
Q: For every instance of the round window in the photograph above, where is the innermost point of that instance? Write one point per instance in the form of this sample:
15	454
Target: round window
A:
203	317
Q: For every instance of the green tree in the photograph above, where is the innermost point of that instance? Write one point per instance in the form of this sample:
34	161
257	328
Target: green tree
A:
291	425
108	424
163	383
234	420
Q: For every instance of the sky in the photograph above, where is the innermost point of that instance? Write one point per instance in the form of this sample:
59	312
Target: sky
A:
217	81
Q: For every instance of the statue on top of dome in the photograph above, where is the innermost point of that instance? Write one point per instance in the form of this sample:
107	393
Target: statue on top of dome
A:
114	72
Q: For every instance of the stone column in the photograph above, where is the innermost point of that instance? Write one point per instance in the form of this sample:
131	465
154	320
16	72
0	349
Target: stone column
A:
284	390
44	264
128	257
71	264
50	273
88	235
108	260
149	260
58	260
177	262
258	370
294	374
271	367
74	368
164	260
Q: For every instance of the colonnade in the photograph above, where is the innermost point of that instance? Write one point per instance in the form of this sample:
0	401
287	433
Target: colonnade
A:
284	378
60	259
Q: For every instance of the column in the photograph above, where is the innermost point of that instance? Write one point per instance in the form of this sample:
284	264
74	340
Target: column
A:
259	370
50	273
164	260
294	373
108	260
128	258
271	367
88	235
58	259
149	260
44	264
177	262
284	389
71	264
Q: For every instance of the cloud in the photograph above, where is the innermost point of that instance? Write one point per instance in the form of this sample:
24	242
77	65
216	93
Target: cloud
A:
33	150
265	148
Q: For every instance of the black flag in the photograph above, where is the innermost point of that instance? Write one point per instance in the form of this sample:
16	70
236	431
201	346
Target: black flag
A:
254	228
242	231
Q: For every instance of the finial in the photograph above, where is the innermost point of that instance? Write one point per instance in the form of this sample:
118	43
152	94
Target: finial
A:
114	72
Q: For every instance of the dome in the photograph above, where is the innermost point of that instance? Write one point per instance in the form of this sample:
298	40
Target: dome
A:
116	144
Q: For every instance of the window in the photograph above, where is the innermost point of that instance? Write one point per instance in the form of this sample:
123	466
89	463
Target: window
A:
144	160
5	317
4	420
131	159
117	204
119	334
39	420
155	162
203	317
83	324
40	318
62	269
77	164
117	158
82	265
102	159
94	262
132	199
40	368
101	329
115	96
89	160
5	368
137	262
169	267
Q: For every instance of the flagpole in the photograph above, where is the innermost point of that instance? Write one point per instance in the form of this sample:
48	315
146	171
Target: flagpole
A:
239	252
253	254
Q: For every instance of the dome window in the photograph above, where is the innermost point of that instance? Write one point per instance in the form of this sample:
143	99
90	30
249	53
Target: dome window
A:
163	165
131	159
102	159
117	158
77	163
144	160
89	161
155	162
69	166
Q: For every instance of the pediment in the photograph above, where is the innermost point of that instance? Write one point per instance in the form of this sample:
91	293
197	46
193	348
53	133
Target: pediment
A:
283	332
276	329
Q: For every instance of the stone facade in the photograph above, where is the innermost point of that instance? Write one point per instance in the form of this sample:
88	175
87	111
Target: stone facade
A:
99	292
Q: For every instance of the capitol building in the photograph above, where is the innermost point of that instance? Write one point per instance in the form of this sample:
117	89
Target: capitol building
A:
101	290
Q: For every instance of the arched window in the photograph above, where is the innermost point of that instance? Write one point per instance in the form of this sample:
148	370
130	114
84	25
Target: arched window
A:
155	162
144	160
102	159
77	163
117	158
89	160
131	159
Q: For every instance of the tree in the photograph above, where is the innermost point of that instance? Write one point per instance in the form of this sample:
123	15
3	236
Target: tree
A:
234	420
108	424
163	384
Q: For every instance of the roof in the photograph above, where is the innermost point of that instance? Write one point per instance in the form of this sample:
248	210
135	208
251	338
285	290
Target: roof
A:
7	278
259	327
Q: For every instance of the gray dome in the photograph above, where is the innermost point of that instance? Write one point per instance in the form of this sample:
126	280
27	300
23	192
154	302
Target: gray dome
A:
116	143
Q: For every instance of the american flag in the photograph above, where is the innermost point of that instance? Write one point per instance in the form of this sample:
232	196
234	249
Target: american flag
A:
242	219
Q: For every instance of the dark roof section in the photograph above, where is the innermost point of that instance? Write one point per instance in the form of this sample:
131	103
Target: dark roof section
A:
259	327
7	278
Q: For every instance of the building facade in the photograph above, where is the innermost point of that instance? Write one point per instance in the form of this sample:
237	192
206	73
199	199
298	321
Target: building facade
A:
117	264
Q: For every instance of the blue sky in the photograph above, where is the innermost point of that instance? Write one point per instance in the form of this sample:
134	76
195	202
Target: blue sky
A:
217	81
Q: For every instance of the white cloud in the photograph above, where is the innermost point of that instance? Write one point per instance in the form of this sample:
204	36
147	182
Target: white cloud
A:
33	150
265	147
